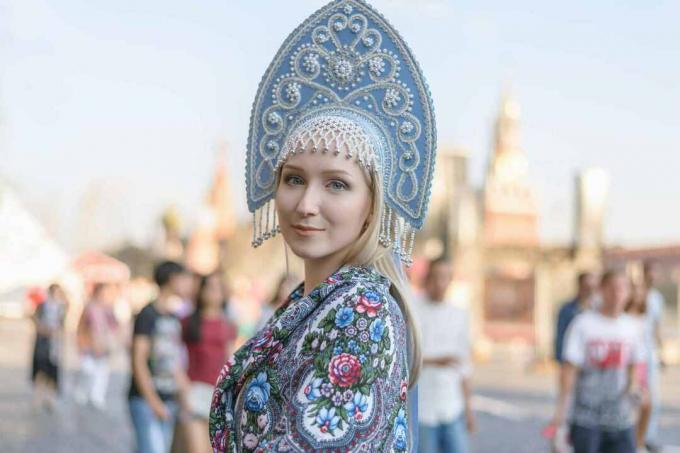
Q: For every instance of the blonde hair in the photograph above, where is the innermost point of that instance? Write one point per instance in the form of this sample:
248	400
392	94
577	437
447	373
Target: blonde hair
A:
368	251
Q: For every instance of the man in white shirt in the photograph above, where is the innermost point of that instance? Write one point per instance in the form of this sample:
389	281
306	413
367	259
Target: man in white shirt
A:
653	343
601	350
445	413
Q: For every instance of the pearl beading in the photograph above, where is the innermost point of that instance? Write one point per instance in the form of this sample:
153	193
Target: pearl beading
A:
336	133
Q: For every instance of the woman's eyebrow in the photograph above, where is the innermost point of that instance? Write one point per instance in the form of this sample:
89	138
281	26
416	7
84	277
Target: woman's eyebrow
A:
293	167
336	172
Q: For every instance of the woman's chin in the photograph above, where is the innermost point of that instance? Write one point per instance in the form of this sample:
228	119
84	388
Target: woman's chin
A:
314	248
306	250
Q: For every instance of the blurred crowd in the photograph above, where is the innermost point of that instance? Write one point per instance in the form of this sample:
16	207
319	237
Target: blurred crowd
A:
607	347
177	345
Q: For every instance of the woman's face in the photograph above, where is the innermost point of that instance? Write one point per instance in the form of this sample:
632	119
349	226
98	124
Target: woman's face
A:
323	202
213	292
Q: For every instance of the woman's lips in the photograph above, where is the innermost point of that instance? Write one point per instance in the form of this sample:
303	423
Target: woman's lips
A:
305	230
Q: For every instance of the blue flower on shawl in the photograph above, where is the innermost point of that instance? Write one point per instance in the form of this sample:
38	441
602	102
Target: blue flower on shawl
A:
327	420
377	329
313	389
352	346
357	406
344	317
401	431
257	394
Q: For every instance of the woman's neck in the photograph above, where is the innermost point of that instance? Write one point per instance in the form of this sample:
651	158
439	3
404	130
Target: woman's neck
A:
164	300
316	271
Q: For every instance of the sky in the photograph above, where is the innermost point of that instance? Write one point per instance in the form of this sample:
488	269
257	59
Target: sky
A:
123	104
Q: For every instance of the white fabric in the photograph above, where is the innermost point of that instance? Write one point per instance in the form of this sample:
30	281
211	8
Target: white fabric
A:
94	380
444	331
591	328
200	398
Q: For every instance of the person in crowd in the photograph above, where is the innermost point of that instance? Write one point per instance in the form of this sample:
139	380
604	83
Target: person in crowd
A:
96	335
602	349
653	346
587	289
209	337
285	286
587	292
637	309
445	409
340	162
48	319
159	384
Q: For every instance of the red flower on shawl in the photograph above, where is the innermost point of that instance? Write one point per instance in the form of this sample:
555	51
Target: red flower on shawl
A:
403	390
344	370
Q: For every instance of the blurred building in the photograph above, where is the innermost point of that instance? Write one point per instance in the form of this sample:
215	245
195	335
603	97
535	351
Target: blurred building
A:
169	243
512	282
216	223
510	215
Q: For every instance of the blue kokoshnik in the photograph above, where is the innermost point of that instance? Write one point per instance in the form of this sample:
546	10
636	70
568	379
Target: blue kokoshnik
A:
346	65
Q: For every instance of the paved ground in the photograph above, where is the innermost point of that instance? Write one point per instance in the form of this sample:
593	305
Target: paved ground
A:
512	407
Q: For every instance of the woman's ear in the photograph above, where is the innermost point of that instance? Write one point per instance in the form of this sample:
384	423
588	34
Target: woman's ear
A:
367	222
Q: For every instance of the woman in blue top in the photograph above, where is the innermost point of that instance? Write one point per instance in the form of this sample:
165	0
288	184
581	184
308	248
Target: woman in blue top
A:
340	161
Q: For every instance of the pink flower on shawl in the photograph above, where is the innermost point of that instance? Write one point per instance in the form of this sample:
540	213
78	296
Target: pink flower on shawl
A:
369	303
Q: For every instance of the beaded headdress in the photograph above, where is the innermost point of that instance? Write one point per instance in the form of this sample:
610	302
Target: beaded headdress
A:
345	82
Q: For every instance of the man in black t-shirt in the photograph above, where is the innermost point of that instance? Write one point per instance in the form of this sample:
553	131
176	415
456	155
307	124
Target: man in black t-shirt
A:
158	380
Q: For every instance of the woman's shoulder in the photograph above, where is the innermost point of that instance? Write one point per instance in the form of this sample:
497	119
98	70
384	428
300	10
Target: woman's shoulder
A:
358	281
360	278
364	291
363	274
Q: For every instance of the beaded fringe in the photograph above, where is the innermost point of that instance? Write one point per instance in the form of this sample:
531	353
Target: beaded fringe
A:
265	224
394	231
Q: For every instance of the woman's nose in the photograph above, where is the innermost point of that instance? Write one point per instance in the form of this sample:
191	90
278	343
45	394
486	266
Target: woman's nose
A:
309	203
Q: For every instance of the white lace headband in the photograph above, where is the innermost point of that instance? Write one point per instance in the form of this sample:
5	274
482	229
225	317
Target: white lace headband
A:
336	133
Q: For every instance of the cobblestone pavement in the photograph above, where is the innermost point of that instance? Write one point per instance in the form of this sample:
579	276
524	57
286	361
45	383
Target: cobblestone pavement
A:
512	407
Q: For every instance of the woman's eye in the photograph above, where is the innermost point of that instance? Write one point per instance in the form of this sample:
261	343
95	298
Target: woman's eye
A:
293	180
337	185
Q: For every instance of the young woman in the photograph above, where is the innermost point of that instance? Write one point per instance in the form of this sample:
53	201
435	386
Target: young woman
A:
96	335
209	338
340	161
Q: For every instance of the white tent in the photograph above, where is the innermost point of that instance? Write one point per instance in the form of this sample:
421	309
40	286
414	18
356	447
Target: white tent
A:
28	256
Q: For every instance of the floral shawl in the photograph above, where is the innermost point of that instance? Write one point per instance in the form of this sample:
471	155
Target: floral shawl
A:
328	372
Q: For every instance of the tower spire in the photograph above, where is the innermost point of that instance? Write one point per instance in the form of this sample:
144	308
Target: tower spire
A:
510	213
506	130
